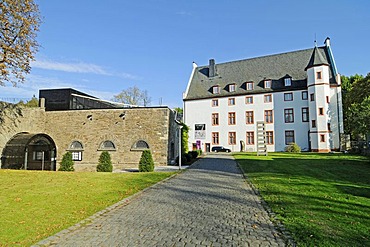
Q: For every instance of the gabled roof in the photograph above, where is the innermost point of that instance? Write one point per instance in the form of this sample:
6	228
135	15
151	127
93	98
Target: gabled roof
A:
256	70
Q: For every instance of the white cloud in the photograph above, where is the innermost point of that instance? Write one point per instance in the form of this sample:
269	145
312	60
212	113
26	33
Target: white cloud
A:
79	67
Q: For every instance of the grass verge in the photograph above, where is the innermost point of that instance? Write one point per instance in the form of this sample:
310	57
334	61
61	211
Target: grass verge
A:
35	205
322	199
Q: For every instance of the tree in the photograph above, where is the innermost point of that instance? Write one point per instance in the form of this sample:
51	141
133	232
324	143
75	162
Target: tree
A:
105	163
19	24
356	104
146	163
67	163
133	96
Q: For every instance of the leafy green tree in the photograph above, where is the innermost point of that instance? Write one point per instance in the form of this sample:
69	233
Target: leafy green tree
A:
105	163
67	163
19	24
146	163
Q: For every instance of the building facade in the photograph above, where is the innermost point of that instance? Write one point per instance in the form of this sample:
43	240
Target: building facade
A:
37	138
296	96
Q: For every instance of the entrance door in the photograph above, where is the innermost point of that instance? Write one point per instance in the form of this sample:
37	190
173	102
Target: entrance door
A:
208	147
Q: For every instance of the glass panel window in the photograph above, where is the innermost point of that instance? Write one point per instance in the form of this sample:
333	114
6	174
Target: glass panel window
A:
232	118
76	156
288	96
215	119
231	101
249	100
232	138
289	137
304	95
249	117
249	85
215	102
268	116
232	88
268	83
250	138
107	145
289	115
215	138
216	90
268	98
269	137
305	114
288	82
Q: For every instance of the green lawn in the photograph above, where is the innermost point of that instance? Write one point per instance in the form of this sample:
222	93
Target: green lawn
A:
35	205
322	199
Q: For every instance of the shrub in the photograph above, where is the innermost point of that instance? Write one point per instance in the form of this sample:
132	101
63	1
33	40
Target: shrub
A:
105	163
183	160
293	148
199	151
194	154
67	163
146	162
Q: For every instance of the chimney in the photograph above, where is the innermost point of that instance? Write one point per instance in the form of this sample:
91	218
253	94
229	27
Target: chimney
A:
327	42
212	68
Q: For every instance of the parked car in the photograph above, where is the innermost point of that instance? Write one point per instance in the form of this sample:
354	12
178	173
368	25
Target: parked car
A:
220	149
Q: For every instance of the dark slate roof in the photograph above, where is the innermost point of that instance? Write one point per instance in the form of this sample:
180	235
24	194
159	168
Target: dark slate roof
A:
256	70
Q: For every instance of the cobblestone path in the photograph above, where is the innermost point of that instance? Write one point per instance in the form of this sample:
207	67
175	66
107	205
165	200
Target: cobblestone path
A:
208	205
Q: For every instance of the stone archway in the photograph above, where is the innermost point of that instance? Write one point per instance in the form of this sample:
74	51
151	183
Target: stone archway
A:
29	152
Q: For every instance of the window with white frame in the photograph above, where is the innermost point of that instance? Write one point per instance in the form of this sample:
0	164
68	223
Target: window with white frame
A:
232	88
288	81
76	149
215	89
249	85
268	83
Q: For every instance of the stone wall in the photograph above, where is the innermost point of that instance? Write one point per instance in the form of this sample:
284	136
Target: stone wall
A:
123	127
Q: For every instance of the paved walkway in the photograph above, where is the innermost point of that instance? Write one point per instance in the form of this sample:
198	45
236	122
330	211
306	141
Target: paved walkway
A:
208	205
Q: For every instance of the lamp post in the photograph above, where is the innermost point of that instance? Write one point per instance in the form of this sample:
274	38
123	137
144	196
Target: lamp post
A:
180	127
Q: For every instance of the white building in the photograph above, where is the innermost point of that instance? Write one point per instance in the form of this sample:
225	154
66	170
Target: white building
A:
297	95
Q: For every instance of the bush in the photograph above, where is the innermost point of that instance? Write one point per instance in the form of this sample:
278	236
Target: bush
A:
146	162
293	148
67	163
183	160
199	151
105	163
194	154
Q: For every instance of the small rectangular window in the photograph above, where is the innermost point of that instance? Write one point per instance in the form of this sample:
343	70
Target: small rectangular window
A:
249	100
327	99
322	138
318	75
312	97
288	96
232	88
216	90
268	98
329	127
250	138
313	123
288	82
321	111
304	95
232	138
214	102
249	117
77	156
231	101
249	86
268	83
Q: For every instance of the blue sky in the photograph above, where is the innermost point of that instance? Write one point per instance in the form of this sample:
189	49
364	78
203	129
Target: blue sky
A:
104	47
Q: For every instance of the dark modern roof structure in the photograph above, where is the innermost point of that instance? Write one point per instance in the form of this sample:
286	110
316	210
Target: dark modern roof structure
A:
273	67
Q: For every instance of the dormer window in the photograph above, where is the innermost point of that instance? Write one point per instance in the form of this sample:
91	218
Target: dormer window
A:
249	85
232	88
215	89
288	82
268	83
